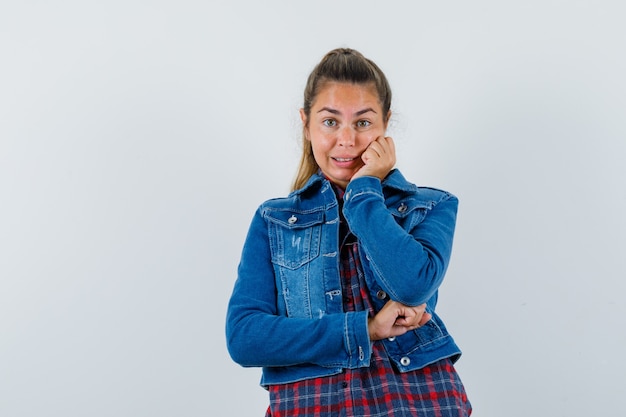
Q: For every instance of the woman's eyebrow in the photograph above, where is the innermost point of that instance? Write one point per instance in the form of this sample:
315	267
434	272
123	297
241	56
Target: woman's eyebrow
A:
360	112
334	111
329	110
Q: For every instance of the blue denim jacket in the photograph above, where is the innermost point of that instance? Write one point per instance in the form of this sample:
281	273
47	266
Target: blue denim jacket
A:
285	313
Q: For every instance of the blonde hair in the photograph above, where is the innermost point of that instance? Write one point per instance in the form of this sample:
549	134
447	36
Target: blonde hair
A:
339	65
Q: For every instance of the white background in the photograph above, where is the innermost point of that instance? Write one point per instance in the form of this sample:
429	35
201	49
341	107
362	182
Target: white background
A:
137	138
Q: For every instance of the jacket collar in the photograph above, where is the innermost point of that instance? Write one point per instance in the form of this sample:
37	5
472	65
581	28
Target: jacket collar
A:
395	180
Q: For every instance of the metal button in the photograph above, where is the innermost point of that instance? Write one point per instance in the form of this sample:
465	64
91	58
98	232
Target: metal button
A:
391	339
381	295
405	361
292	219
402	208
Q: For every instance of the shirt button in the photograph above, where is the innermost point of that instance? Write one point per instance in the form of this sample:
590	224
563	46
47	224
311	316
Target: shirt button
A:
381	295
405	361
391	339
292	219
402	208
344	384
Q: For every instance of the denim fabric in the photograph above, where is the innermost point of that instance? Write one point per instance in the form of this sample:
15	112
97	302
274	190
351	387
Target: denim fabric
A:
285	313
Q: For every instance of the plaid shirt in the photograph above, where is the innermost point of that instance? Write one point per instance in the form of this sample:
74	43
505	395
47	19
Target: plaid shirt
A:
378	390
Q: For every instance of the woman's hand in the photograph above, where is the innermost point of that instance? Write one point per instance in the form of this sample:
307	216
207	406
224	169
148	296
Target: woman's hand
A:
395	319
379	158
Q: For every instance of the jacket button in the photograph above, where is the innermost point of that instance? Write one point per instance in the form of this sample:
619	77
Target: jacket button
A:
402	208
405	361
381	295
292	219
391	339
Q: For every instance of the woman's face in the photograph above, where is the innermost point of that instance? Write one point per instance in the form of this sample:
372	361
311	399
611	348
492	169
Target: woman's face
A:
345	118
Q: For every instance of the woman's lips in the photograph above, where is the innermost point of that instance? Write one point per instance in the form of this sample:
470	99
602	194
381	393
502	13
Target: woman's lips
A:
345	161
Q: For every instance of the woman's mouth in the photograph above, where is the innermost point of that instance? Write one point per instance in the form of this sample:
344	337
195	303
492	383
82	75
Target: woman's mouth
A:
345	162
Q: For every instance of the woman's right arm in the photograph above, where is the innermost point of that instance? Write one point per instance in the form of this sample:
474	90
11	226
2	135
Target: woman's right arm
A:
257	335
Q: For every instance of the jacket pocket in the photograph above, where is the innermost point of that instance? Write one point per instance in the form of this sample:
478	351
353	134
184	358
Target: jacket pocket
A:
294	237
409	212
427	337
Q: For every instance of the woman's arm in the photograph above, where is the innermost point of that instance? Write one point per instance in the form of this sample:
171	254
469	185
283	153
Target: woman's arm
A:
408	264
258	336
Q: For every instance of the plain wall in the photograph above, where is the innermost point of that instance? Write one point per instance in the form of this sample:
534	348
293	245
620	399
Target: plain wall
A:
137	139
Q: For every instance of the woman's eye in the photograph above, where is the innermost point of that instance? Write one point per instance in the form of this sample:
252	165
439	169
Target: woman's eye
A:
363	123
330	122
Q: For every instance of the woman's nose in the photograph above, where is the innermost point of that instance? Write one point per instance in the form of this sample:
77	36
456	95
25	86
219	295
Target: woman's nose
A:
346	136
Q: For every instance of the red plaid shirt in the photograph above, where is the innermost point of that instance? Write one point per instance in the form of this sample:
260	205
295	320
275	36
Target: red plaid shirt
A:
378	390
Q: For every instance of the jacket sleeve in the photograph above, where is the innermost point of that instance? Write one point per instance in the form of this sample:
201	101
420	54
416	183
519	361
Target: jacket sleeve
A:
257	335
408	264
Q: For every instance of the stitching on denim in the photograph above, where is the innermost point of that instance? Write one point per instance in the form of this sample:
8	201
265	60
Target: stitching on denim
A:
333	293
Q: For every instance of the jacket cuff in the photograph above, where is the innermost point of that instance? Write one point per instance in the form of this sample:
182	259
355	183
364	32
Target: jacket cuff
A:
363	185
357	339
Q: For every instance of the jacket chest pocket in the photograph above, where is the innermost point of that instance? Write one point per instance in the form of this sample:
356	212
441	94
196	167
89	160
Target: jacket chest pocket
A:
294	237
409	212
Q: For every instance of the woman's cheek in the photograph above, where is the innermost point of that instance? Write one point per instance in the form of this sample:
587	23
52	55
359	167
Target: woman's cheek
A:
368	138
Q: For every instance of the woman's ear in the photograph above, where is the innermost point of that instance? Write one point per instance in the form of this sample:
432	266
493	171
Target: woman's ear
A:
387	119
305	129
303	117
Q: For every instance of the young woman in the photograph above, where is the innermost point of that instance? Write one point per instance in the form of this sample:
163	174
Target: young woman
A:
337	285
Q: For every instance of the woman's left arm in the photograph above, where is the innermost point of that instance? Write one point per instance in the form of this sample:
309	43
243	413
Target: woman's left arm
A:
408	264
